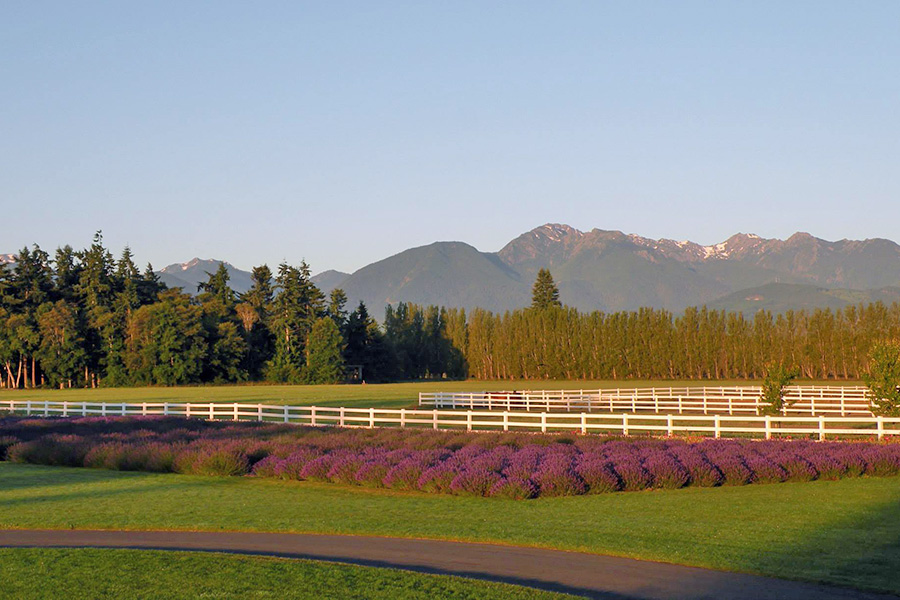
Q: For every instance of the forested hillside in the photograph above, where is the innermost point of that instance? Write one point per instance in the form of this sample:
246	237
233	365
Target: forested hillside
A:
85	319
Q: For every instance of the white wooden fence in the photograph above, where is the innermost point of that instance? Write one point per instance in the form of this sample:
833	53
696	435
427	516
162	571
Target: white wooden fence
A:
739	400
820	427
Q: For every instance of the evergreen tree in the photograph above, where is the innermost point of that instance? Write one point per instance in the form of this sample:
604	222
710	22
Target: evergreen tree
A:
150	286
254	315
544	294
68	271
324	363
336	304
165	343
365	346
95	291
216	286
297	306
61	347
31	286
226	346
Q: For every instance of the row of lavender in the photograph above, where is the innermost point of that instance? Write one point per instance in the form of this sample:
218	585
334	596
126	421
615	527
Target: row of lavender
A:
507	465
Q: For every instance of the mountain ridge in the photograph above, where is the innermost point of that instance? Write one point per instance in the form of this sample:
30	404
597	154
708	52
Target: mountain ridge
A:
608	270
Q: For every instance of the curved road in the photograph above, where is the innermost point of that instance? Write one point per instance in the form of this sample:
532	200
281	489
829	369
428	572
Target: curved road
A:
588	575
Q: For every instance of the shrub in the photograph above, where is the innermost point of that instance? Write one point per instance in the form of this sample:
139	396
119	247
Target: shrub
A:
666	472
474	482
764	470
514	489
5	442
632	474
556	476
598	475
53	450
504	465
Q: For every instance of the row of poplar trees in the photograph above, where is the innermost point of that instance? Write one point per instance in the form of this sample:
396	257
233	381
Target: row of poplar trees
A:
85	319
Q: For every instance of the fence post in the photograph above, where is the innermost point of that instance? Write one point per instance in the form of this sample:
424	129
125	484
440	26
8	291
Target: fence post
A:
434	417
669	426
583	424
287	413
65	408
821	428
768	427
468	420
543	422
165	409
625	424
716	427
402	417
235	415
103	409
812	405
505	420
341	417
212	411
259	416
372	417
880	427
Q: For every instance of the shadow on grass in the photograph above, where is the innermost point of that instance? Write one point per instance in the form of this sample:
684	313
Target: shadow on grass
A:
36	483
836	554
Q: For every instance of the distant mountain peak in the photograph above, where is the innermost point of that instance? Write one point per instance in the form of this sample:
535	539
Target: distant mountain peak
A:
202	263
555	231
190	274
7	259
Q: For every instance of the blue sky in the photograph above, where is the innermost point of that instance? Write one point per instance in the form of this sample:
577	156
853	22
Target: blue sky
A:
343	132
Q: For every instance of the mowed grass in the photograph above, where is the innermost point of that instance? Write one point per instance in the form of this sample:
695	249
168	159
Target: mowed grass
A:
845	532
27	574
369	395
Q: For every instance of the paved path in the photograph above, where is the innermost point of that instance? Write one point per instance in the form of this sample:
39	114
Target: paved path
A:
589	575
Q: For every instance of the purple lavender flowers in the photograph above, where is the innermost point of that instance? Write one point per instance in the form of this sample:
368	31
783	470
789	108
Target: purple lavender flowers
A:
509	465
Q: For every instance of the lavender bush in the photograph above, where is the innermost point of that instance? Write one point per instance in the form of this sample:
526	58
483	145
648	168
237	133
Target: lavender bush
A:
508	465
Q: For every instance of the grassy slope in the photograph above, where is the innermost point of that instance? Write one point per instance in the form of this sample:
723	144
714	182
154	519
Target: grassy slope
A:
75	574
845	532
389	394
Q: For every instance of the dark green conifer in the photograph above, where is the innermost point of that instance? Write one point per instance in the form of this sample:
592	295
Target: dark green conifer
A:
544	294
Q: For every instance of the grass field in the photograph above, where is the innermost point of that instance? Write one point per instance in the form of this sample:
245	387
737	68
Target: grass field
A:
845	532
377	395
35	574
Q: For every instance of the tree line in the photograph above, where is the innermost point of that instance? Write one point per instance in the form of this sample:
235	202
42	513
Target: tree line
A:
86	319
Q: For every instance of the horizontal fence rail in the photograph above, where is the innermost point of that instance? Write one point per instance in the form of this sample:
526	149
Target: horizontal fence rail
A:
820	427
804	400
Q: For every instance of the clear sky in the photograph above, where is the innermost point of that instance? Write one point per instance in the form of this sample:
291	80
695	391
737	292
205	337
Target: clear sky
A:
343	132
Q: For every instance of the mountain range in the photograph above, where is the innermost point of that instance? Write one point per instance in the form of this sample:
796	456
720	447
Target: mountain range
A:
611	271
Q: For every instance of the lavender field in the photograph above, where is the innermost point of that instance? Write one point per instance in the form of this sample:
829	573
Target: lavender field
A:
518	466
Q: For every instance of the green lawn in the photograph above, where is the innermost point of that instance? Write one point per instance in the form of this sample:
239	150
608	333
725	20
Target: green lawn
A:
845	532
36	574
377	395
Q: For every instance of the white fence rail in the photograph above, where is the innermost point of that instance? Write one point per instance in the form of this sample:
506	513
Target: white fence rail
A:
820	427
740	400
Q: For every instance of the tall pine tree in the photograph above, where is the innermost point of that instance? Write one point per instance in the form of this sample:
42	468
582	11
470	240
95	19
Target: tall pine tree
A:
544	294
